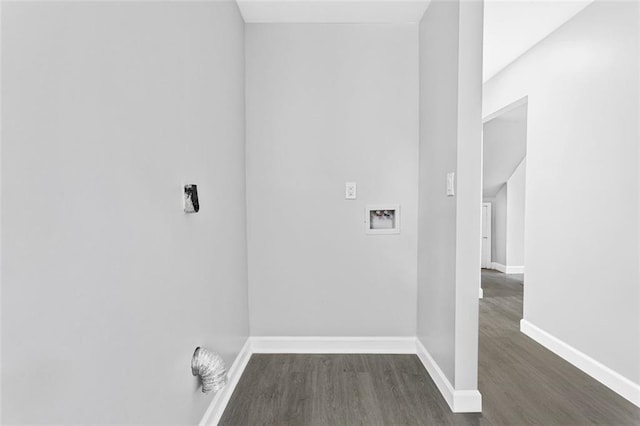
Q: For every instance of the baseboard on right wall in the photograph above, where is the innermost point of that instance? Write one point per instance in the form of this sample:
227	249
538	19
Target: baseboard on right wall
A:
613	380
507	269
460	401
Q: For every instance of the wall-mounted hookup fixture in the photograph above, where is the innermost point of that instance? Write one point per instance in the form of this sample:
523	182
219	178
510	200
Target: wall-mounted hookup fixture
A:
191	204
382	219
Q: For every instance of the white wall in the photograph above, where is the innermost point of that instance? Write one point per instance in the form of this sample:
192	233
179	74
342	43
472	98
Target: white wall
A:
328	104
582	182
107	286
507	231
437	212
515	217
449	227
504	147
499	230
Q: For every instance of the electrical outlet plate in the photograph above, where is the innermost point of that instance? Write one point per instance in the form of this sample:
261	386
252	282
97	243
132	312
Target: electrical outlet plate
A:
350	190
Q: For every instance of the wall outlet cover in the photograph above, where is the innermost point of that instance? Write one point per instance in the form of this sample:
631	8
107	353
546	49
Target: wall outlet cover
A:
350	190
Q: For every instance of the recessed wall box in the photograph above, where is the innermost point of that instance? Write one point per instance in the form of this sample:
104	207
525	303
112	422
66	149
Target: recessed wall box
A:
382	219
190	199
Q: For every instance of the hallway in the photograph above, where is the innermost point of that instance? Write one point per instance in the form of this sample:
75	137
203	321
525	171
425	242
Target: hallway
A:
521	382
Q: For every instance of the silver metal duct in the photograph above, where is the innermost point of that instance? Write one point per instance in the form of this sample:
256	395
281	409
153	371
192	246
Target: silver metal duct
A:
210	367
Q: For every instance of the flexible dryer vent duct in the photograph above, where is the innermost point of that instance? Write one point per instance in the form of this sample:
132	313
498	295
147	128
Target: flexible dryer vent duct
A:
210	367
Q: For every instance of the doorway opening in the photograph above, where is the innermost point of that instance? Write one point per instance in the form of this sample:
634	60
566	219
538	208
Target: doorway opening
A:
503	192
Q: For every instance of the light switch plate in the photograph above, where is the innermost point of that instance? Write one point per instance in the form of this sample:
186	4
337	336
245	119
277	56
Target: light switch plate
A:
451	184
350	190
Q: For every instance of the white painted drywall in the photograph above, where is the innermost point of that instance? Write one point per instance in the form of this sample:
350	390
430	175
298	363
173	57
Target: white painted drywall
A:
437	212
582	182
469	198
504	147
515	216
507	232
449	227
107	286
328	104
499	230
513	27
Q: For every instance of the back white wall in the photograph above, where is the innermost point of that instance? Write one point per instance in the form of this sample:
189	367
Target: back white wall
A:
515	216
499	230
328	104
582	214
507	227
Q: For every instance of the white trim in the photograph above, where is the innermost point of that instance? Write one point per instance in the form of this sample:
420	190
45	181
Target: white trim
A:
507	269
333	345
481	295
613	380
515	269
220	400
498	267
460	401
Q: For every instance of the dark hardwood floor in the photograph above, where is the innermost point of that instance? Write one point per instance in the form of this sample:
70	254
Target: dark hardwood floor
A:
521	382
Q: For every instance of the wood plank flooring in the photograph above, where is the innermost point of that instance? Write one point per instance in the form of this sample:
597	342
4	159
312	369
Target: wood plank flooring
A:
521	382
354	389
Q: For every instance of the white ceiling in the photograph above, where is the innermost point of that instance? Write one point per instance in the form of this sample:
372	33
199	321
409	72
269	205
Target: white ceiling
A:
332	11
504	147
511	27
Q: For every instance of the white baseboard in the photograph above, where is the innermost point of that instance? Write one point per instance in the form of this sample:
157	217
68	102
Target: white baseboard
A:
613	380
507	269
334	345
498	267
215	410
460	401
481	295
515	269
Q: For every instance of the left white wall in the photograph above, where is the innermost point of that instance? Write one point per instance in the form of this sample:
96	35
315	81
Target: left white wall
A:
107	286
